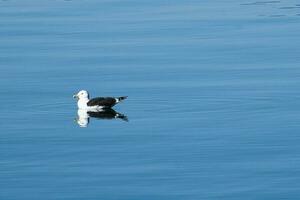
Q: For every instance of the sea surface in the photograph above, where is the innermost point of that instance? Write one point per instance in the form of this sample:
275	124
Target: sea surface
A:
213	102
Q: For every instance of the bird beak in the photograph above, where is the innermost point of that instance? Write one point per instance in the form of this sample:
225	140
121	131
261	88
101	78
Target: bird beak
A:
75	96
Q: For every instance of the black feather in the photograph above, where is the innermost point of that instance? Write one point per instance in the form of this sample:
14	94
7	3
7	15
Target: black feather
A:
106	102
107	114
122	98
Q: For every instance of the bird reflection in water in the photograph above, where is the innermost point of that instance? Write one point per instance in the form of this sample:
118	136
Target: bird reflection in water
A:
84	116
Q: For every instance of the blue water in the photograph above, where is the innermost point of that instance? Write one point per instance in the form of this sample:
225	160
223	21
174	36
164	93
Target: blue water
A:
213	106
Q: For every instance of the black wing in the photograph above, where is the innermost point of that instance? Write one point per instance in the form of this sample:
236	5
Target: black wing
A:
107	102
105	114
108	113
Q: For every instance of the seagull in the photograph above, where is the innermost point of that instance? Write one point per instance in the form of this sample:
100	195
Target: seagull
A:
83	116
98	103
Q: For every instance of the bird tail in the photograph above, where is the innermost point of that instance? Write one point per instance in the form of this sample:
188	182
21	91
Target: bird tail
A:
123	117
122	98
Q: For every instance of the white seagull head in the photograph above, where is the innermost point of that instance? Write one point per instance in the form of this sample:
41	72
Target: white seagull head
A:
82	94
83	118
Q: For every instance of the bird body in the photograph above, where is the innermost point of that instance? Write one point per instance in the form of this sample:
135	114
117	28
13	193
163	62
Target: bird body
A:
97	103
84	116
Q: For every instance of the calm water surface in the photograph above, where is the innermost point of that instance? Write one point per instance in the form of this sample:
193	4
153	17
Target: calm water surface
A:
213	107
